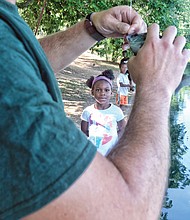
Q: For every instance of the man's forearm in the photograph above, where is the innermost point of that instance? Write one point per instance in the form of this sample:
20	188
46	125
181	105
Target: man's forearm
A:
65	46
144	149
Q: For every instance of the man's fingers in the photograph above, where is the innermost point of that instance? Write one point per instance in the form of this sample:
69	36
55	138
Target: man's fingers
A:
118	21
169	34
179	42
153	32
122	28
186	53
137	26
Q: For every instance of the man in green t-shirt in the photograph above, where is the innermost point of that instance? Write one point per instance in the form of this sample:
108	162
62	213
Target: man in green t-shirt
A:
48	168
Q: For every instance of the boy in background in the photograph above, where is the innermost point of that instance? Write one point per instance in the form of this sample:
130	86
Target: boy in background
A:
123	85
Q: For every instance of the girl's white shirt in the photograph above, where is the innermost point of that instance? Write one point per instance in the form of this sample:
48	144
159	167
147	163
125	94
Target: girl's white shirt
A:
103	126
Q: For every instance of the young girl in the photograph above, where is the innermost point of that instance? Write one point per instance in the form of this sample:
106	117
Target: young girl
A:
102	122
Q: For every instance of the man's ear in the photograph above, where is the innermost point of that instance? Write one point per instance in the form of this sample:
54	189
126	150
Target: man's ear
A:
92	92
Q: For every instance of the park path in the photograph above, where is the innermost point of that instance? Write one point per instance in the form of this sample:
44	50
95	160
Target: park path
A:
76	95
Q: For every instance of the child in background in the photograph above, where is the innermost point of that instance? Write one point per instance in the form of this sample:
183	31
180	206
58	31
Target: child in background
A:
102	122
132	87
123	60
123	85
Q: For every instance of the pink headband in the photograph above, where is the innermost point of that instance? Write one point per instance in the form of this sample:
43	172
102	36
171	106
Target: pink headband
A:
101	78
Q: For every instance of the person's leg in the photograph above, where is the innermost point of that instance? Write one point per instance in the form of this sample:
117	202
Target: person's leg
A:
123	103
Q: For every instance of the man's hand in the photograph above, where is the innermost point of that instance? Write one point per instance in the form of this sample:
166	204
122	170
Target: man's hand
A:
69	44
161	62
118	21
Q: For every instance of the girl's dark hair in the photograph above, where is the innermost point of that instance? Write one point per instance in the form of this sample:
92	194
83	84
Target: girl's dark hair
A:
123	61
107	73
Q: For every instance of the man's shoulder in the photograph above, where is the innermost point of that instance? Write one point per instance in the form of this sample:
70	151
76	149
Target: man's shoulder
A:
5	30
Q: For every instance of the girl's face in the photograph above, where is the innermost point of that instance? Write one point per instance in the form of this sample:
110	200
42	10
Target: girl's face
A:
123	68
102	92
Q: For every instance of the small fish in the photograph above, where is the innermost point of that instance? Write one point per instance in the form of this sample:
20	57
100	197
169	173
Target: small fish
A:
136	41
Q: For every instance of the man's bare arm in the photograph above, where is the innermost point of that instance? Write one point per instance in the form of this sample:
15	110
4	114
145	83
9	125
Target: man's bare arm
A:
142	155
130	184
144	148
65	46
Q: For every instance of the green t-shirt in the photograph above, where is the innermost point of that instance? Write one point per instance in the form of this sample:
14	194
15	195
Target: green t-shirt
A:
42	151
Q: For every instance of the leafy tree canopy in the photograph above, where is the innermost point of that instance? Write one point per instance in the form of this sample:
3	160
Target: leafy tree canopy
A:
49	16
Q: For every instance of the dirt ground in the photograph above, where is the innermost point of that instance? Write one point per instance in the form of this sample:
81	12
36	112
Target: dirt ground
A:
76	95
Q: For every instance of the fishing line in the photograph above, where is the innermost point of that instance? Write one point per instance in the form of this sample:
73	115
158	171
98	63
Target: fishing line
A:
125	41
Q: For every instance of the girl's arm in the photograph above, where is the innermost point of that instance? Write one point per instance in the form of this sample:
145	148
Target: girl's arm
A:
121	125
124	85
84	127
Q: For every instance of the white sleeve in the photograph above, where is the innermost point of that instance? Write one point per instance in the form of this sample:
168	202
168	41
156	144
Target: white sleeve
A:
85	115
119	115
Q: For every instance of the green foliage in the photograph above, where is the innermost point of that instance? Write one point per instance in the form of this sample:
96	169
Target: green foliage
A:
60	14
